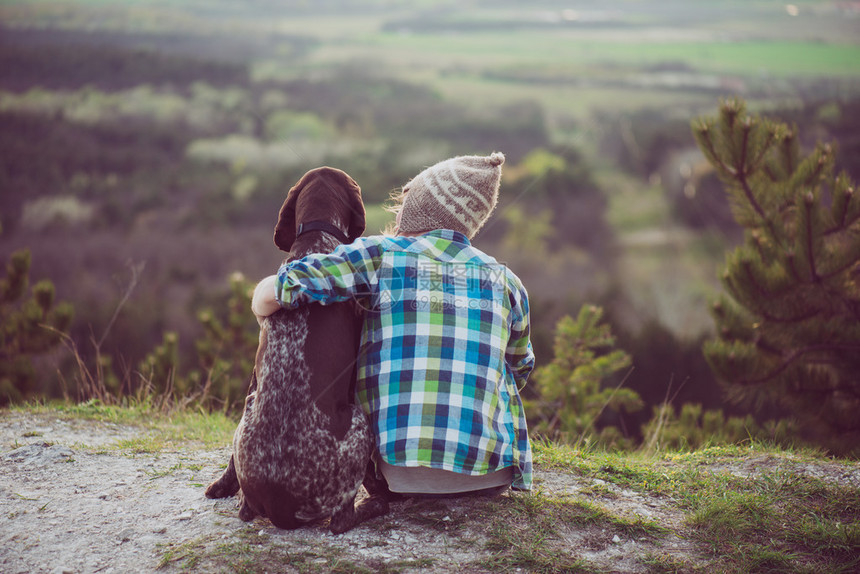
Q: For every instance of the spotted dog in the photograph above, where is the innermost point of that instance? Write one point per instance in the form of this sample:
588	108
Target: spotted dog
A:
302	447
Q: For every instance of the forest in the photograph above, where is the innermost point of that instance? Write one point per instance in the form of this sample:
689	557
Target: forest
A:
146	147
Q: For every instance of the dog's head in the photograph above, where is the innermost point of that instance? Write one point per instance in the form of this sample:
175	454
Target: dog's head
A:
326	194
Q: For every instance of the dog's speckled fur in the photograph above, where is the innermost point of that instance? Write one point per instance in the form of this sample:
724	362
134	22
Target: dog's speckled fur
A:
302	447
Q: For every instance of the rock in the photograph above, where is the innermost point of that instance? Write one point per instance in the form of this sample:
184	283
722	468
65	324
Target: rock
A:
126	535
40	453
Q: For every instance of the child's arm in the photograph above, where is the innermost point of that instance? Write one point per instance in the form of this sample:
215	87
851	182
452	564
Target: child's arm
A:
519	354
324	278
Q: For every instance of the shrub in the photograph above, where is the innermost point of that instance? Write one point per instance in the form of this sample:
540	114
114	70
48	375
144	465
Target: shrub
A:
572	397
30	324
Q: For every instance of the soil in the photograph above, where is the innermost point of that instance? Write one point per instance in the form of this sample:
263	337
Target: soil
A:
73	503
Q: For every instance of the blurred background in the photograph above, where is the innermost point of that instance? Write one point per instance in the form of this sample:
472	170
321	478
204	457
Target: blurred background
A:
147	145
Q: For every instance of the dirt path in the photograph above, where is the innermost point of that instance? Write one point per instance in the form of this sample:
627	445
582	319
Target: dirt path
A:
74	503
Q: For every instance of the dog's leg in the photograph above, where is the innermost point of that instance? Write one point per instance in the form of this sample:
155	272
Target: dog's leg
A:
343	518
347	516
246	513
227	485
376	485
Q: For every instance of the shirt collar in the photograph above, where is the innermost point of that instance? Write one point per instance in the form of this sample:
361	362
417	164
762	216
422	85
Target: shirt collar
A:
449	234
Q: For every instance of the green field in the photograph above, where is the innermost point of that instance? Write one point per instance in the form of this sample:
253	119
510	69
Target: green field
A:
638	60
566	56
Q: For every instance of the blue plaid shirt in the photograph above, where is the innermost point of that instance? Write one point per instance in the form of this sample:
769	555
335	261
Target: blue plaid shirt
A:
444	350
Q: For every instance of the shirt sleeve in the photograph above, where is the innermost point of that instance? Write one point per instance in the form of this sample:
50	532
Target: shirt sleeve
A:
519	355
347	272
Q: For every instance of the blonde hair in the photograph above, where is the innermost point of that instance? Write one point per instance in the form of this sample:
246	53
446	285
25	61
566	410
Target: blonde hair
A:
393	205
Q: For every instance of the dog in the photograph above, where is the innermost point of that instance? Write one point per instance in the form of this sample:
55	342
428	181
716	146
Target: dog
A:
303	447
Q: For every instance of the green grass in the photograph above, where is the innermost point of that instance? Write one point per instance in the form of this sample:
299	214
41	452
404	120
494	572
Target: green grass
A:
165	429
529	532
775	519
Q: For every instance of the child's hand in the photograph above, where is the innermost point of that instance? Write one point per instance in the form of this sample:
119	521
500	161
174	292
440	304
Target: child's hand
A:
264	302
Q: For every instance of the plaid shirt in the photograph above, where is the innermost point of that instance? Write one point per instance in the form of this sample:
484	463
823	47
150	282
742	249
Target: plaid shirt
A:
444	348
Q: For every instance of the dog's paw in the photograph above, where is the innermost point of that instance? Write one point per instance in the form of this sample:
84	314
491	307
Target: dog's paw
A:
348	517
221	489
227	484
372	507
246	513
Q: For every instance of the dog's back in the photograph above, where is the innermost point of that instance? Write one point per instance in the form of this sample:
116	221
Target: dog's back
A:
301	449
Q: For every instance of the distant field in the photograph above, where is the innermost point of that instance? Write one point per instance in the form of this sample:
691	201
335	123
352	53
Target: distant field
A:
572	72
567	56
573	77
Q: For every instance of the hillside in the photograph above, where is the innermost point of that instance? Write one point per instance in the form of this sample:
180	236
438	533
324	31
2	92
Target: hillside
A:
91	488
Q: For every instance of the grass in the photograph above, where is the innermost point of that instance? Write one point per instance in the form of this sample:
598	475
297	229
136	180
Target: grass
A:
166	430
775	519
531	532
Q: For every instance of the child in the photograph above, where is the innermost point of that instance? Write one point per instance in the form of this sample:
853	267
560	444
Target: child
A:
445	344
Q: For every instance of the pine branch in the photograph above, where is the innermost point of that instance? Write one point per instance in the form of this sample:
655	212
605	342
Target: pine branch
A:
830	390
787	142
843	225
795	355
839	270
792	266
771	136
786	320
745	186
765	293
807	205
813	179
762	345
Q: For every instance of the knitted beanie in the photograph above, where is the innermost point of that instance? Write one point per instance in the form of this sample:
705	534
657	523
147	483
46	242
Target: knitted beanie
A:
458	193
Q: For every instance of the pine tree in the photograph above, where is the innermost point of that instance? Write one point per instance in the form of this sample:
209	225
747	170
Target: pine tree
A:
29	326
572	395
789	320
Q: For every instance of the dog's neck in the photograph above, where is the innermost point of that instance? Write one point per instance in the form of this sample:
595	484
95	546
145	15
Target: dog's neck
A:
317	241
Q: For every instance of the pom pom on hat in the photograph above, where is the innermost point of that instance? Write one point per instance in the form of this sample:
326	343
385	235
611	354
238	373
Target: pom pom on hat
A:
496	158
459	193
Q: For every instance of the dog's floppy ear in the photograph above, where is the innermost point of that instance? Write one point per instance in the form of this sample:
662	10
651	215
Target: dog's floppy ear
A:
356	207
285	230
